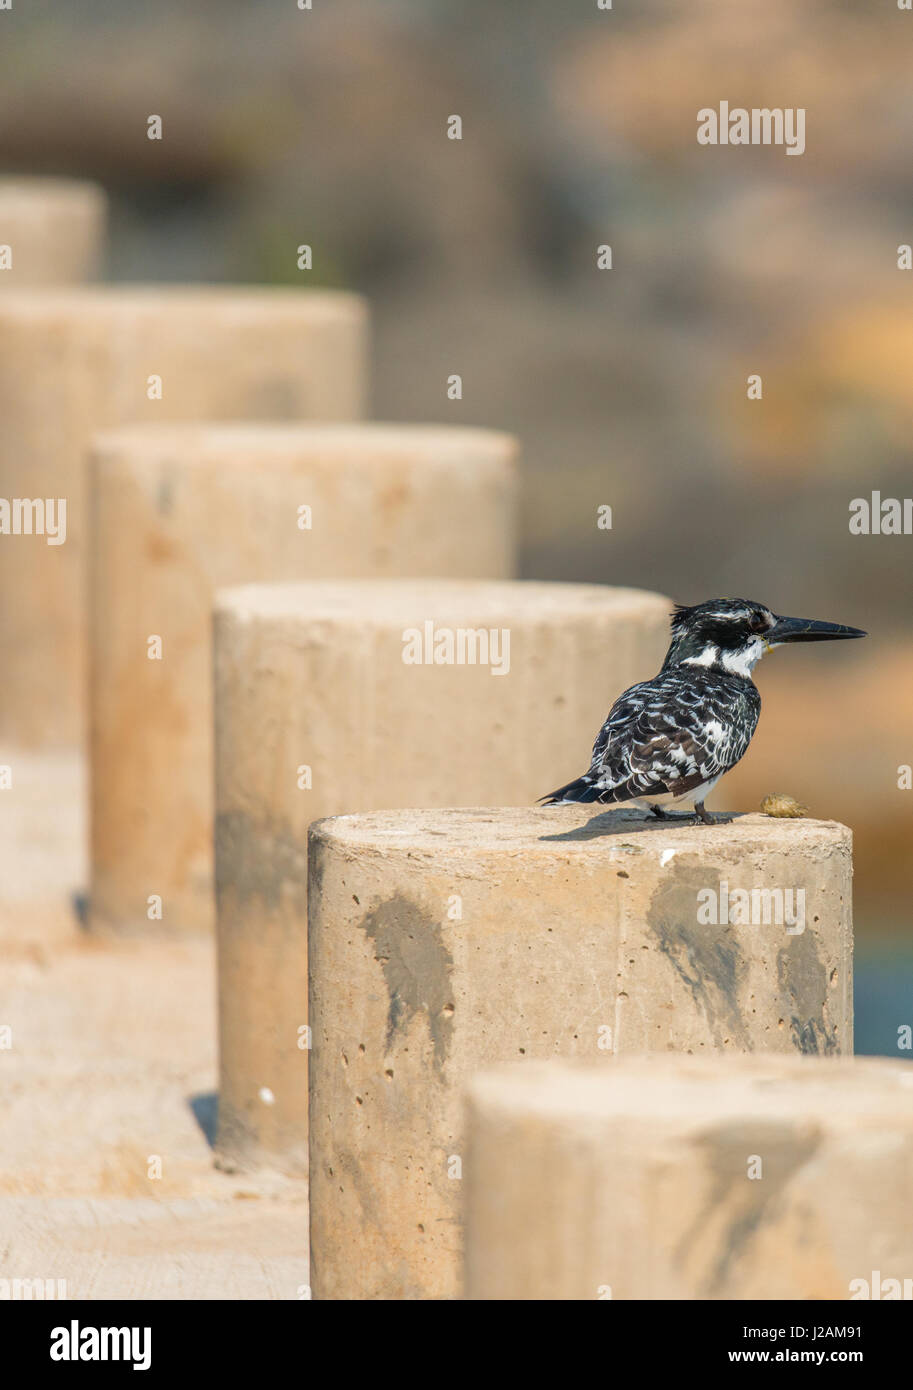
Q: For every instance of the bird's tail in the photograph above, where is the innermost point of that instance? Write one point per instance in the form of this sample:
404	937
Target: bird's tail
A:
585	788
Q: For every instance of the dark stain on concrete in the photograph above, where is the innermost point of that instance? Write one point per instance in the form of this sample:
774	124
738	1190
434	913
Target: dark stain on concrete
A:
164	494
317	863
736	1204
802	979
253	862
274	397
350	1168
707	959
417	970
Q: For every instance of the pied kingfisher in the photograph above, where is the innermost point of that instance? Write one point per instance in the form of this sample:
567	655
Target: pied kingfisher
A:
671	739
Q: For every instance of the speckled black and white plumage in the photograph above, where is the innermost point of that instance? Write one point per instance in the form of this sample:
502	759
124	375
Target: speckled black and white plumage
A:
669	737
673	737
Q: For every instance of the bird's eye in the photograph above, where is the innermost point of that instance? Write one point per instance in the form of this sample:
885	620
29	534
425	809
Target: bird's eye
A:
757	622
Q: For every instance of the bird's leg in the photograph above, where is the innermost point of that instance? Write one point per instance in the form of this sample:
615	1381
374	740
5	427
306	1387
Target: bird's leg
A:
701	813
659	813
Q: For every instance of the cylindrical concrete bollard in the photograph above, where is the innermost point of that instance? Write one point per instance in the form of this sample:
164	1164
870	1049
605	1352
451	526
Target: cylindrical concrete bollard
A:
442	942
691	1178
179	510
339	697
52	231
77	360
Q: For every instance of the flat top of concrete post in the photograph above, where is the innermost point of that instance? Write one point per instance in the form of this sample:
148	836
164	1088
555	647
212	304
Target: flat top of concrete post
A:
410	602
236	441
580	830
123	300
702	1090
40	191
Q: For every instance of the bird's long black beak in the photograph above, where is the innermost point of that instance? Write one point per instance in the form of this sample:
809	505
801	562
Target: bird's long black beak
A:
808	630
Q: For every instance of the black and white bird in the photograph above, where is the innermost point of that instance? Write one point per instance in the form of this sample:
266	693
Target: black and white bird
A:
670	740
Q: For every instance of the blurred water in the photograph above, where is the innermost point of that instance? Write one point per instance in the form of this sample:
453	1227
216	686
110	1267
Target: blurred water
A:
884	998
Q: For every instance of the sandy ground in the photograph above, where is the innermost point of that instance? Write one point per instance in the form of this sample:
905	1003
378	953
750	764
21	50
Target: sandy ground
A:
107	1091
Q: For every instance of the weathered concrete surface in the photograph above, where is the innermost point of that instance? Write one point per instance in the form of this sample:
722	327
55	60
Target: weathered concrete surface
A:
77	360
179	510
110	1063
313	676
54	228
445	941
634	1179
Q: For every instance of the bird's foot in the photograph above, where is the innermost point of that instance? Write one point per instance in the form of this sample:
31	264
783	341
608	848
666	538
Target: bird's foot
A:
659	813
701	815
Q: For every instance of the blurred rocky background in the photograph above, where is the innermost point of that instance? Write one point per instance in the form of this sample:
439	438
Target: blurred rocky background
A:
627	386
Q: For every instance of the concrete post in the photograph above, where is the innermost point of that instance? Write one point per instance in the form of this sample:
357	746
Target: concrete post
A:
52	231
321	707
691	1178
74	361
179	510
443	942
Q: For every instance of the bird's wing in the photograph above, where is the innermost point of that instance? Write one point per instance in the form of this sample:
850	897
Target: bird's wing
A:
671	734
